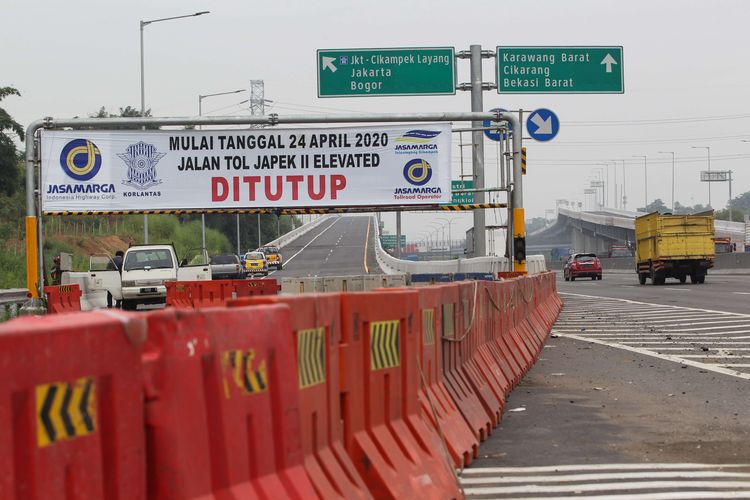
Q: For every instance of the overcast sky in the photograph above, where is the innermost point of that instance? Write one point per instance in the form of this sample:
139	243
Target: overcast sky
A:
686	75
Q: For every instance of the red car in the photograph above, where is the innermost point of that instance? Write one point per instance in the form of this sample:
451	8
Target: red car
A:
582	265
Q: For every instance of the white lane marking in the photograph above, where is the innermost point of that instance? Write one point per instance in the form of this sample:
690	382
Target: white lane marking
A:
597	298
563	478
625	486
287	261
666	357
672	289
734	365
742	293
584	467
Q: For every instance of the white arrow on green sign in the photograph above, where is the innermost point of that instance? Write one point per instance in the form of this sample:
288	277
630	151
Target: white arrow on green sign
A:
386	72
559	70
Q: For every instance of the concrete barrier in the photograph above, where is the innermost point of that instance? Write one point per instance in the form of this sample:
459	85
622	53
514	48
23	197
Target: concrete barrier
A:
388	264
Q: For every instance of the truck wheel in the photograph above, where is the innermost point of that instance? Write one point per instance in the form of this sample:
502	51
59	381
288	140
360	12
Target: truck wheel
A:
693	278
599	277
658	278
129	305
642	278
683	279
281	266
701	279
566	278
572	278
593	278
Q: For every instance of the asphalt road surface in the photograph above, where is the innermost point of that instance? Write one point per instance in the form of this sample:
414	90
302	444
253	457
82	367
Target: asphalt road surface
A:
641	392
339	246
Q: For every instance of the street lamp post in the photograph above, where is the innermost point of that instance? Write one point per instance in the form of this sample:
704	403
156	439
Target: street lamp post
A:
203	215
708	150
645	180
450	240
143	24
671	153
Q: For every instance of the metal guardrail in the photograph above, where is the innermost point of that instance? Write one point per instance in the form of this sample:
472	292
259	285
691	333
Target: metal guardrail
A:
10	301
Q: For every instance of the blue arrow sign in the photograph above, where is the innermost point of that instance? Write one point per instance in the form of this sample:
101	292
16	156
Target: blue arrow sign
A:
494	134
543	125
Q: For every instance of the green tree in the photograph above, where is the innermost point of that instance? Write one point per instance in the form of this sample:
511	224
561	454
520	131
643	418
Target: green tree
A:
126	112
535	223
655	206
9	171
737	214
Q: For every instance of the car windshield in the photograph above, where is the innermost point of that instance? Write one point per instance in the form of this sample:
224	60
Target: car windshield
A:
268	250
585	258
253	256
152	258
224	259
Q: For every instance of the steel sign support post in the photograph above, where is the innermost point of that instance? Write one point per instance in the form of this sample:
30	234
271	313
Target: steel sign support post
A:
477	150
238	235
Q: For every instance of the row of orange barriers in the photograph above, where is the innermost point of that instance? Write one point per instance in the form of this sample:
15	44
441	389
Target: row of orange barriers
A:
216	292
376	394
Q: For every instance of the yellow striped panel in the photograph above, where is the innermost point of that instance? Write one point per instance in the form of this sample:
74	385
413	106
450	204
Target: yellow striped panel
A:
248	376
385	348
428	326
65	410
311	357
448	321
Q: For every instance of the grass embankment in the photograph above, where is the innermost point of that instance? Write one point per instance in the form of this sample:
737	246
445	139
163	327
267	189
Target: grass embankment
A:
84	236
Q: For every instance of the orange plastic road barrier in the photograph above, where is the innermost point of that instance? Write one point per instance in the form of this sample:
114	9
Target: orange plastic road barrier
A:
63	298
511	274
384	433
71	425
470	320
251	287
216	293
455	352
438	407
316	322
222	410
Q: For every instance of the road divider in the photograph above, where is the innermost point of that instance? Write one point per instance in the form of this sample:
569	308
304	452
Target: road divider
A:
371	394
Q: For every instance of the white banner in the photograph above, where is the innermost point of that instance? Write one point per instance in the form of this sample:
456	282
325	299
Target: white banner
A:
135	170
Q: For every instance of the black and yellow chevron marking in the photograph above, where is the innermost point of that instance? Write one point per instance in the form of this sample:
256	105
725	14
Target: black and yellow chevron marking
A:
65	410
385	348
311	357
472	206
428	326
65	289
448	320
247	378
523	160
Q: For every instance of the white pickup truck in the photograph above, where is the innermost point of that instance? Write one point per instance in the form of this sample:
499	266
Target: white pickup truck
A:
145	268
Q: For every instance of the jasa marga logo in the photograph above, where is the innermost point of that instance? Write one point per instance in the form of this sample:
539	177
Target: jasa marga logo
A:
417	142
417	172
81	160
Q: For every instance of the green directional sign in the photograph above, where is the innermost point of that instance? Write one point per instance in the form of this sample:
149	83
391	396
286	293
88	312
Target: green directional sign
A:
389	241
559	70
386	72
462	198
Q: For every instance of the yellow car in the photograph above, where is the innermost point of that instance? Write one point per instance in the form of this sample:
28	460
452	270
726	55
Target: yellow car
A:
256	263
273	256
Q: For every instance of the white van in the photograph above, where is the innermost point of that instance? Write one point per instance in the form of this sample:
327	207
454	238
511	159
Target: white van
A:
145	268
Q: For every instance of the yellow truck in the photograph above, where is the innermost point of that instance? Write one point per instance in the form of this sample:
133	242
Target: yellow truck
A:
674	246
